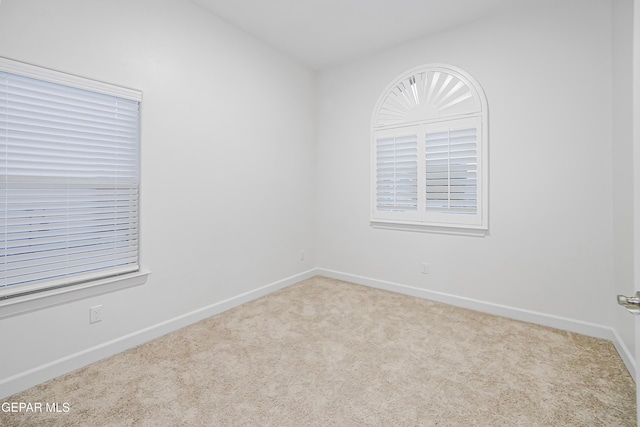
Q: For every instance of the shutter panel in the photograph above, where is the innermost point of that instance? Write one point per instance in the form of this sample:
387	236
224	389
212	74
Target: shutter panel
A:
69	176
451	171
397	173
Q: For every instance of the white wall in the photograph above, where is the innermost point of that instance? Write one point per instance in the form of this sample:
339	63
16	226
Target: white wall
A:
546	71
227	170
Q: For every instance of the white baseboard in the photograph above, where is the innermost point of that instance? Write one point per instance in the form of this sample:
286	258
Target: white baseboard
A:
72	362
557	322
625	354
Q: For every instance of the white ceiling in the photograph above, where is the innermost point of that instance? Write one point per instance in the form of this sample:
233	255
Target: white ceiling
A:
324	32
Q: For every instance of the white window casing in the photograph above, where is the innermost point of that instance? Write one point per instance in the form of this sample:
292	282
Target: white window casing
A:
430	153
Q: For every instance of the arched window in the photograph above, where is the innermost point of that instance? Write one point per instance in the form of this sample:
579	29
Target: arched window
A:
429	151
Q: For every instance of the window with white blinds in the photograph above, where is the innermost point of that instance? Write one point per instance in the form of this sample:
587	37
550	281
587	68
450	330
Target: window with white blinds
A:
69	174
430	151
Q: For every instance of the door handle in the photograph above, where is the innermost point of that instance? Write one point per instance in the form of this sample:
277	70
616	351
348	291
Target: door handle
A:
632	304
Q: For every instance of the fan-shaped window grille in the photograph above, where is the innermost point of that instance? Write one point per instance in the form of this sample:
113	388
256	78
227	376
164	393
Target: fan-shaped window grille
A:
429	150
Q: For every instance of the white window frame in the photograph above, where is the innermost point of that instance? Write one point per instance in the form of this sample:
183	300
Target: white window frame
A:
411	117
27	299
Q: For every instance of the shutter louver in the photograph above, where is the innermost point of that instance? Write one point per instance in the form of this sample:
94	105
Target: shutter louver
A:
451	171
397	173
69	176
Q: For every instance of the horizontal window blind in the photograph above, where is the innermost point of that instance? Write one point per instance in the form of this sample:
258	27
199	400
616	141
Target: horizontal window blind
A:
451	171
69	176
397	173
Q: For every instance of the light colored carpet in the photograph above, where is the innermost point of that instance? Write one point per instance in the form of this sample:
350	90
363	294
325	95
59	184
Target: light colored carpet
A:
330	353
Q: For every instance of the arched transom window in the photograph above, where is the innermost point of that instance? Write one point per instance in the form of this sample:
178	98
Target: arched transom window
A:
429	151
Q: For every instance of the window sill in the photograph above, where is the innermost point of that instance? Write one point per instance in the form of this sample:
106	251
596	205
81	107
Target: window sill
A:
439	229
36	301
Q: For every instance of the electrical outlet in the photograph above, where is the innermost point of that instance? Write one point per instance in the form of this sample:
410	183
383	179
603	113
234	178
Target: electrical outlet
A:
95	314
425	268
301	255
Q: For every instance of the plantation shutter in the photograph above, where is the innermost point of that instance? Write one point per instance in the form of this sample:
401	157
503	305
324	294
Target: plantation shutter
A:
69	177
397	173
446	189
451	171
